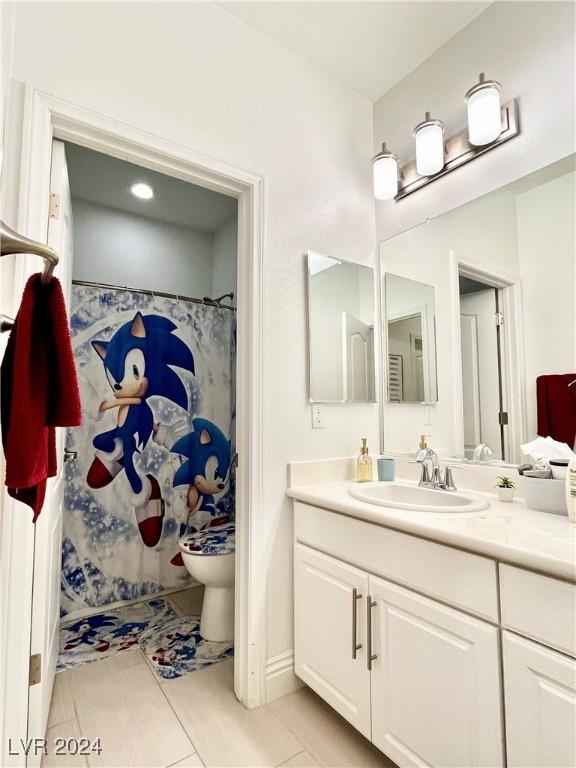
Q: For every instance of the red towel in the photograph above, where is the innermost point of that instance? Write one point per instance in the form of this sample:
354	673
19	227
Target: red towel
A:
557	407
39	391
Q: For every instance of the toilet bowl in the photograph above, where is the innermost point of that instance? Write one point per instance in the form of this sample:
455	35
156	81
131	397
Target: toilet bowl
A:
209	558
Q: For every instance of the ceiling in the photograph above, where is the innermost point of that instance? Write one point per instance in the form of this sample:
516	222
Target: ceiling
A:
106	180
368	46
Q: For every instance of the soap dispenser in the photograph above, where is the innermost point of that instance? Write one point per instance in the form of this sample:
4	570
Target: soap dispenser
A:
364	464
422	447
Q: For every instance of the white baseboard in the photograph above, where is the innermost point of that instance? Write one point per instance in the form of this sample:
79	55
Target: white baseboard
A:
280	677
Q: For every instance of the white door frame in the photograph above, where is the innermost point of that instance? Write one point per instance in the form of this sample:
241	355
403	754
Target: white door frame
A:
512	350
46	117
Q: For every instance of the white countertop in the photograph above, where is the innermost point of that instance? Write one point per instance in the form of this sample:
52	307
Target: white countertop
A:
505	531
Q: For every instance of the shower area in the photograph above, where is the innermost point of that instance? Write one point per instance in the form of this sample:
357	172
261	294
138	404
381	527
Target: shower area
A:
152	316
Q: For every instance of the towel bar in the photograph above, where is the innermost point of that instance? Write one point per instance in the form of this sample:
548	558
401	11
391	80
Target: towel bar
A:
12	243
6	323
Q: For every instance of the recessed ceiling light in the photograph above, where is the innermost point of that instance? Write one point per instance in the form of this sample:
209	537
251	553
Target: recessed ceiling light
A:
143	191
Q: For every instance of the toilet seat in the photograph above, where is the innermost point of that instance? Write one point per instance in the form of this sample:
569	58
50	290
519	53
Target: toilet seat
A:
219	540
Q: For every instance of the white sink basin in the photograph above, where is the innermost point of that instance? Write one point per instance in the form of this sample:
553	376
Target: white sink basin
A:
418	499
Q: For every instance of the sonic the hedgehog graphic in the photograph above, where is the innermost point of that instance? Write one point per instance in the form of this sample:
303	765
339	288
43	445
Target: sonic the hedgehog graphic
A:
206	473
138	362
88	632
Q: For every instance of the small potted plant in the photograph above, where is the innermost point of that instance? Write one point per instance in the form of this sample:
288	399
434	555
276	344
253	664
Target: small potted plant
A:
505	487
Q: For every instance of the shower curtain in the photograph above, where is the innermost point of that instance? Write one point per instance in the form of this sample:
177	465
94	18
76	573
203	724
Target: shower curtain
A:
154	451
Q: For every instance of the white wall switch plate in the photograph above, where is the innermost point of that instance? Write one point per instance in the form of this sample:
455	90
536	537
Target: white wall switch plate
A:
428	415
317	418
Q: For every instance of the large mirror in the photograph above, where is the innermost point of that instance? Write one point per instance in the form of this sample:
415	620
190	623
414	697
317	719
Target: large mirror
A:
341	312
500	274
411	340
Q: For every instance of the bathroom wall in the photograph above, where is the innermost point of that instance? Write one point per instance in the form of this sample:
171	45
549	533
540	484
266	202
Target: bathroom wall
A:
195	75
529	48
224	250
121	248
7	18
546	251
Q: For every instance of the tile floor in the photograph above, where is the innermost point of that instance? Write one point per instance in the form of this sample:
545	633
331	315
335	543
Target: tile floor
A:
195	720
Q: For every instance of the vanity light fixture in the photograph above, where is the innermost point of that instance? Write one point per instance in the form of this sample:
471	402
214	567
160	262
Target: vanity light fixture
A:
484	112
429	138
386	172
142	190
489	125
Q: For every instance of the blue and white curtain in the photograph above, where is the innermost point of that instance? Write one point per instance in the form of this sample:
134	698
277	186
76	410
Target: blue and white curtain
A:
149	471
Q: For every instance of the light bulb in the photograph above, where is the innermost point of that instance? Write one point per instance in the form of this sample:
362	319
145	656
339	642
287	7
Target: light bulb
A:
429	137
385	170
143	191
484	112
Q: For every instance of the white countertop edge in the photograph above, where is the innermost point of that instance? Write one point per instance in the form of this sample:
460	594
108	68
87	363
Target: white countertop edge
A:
442	527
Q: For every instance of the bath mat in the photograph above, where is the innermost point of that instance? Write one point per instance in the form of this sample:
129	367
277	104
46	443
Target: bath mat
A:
97	637
176	647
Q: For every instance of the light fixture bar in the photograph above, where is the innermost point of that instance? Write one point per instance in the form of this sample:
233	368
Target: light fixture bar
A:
459	151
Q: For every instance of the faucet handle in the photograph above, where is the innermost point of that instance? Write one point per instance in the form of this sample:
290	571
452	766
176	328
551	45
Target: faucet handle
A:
426	477
449	479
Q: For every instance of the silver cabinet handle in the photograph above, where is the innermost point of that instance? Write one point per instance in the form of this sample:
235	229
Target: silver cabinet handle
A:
70	455
370	656
355	644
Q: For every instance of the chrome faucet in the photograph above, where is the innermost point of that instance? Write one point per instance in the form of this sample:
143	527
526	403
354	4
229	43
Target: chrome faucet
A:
482	451
431	475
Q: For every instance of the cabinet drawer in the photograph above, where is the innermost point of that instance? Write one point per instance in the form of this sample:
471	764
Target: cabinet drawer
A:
539	607
458	578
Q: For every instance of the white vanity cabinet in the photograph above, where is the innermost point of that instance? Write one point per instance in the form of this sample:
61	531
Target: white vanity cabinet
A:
403	669
540	690
412	641
539	668
329	625
435	682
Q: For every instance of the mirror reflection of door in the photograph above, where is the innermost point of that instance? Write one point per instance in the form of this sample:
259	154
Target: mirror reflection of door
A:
481	367
417	360
358	358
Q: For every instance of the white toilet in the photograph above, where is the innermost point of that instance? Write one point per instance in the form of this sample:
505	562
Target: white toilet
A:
209	558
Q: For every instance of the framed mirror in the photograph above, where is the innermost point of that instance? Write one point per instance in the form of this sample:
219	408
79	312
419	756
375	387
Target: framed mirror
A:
341	314
410	323
499	273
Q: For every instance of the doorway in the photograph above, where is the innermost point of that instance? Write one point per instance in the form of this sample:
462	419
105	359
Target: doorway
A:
39	118
485	418
149	270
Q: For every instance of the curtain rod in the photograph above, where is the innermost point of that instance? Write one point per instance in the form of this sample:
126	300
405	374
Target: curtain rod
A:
206	301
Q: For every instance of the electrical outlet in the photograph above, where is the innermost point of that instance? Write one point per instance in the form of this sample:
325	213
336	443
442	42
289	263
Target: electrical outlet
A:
428	415
317	418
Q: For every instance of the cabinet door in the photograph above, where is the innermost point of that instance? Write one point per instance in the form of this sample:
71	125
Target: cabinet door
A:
540	693
328	596
436	696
